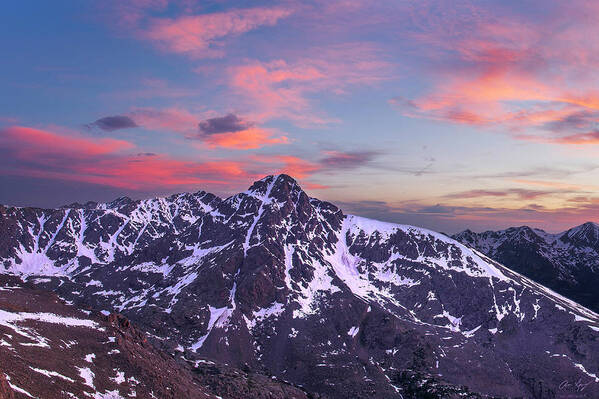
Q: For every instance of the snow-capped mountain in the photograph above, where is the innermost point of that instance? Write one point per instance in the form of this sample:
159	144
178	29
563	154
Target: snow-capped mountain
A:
566	262
288	285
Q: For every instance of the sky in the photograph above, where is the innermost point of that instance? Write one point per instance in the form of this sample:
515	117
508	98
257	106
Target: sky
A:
442	114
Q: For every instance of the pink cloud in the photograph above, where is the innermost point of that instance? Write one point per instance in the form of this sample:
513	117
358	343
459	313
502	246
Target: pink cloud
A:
247	139
199	36
61	156
277	89
31	143
46	154
579	139
499	69
182	121
152	172
296	166
283	89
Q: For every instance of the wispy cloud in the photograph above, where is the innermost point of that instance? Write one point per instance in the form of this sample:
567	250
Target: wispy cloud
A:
527	72
520	193
31	143
542	172
282	89
202	35
347	160
185	27
454	218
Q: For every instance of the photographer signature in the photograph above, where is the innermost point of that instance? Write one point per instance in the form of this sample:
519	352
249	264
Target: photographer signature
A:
575	386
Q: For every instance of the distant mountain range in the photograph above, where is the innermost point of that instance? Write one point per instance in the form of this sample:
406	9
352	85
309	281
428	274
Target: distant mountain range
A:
566	262
274	283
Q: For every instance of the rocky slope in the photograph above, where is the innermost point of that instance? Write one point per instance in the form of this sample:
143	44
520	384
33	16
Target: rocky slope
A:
49	349
52	350
566	262
278	282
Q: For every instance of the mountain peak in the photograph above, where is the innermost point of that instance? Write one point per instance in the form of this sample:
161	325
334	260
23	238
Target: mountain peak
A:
587	233
280	187
280	179
590	225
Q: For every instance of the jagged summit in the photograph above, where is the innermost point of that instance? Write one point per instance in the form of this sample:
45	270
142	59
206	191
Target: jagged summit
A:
587	233
567	262
280	179
585	227
279	187
283	186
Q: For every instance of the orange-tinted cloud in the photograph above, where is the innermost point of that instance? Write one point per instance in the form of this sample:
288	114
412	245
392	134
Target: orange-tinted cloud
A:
246	139
579	139
244	136
52	155
235	132
46	154
526	72
295	166
558	185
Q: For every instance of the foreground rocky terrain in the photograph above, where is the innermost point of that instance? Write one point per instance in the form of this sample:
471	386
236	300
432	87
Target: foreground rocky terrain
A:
49	349
281	284
566	262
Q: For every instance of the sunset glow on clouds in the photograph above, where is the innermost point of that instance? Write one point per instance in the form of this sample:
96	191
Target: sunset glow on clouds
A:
439	113
197	35
533	75
39	153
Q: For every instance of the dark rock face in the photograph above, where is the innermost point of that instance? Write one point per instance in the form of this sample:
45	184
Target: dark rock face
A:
288	286
566	262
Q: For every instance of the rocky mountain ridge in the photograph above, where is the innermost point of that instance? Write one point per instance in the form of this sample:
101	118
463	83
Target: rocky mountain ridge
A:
567	262
288	285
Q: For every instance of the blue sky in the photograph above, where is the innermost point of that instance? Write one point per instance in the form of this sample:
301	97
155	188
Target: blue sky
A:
437	113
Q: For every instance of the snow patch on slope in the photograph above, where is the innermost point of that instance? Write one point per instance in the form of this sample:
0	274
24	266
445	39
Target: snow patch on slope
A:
346	265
